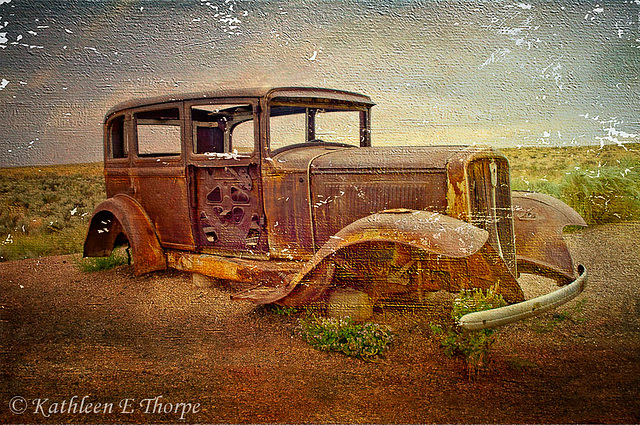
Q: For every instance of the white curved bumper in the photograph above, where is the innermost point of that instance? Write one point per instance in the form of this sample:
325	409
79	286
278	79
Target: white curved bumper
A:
514	312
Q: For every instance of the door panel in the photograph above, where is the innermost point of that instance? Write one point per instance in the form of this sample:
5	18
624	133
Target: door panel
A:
228	208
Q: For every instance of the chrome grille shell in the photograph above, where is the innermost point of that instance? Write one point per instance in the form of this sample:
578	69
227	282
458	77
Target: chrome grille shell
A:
490	204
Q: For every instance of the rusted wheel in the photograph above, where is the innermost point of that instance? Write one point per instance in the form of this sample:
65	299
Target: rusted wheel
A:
203	281
366	274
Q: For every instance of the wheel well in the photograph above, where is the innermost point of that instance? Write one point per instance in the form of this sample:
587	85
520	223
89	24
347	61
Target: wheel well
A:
119	220
105	233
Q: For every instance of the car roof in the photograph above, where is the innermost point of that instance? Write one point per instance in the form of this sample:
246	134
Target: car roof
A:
256	92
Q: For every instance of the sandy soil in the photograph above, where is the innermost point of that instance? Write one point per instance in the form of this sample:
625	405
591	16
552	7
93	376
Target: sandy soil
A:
159	349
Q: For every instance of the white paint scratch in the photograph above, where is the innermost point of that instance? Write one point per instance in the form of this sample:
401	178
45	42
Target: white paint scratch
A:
498	56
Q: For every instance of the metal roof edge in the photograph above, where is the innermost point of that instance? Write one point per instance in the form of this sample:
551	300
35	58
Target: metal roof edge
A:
266	92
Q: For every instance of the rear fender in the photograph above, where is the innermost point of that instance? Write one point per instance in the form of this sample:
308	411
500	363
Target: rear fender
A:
435	234
538	222
119	218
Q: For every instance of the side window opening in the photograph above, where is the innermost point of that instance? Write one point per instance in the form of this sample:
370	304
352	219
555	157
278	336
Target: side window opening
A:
288	126
117	142
294	125
223	129
159	133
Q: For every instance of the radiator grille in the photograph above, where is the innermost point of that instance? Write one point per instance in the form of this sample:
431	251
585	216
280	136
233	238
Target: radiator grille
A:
490	205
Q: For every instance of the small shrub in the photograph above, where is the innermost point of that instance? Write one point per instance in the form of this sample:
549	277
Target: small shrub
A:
94	264
472	345
284	311
365	341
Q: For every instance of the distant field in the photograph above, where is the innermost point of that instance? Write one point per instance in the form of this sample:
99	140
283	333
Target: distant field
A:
45	210
603	185
553	164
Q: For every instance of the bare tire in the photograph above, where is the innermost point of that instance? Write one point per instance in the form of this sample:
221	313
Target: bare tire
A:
344	302
202	281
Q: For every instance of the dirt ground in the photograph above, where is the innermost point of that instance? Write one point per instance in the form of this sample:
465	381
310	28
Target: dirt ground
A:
109	347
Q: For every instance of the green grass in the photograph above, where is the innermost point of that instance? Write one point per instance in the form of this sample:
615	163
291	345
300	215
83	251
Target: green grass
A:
46	210
365	341
283	311
473	346
93	264
548	322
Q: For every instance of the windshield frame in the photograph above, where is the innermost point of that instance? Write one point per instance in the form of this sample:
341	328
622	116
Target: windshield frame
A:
318	104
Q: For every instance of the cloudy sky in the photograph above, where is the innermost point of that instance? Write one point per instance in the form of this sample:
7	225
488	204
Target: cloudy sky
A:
506	73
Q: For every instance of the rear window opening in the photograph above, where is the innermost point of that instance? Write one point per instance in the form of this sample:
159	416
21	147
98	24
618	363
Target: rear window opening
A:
117	143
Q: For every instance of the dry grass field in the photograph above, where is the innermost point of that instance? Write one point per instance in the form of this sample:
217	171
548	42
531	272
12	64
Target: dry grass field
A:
46	210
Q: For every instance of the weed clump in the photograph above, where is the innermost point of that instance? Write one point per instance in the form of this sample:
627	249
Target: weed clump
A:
472	345
284	311
573	314
365	341
94	264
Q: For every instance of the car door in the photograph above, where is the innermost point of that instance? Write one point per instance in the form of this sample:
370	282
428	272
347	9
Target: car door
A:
157	175
225	191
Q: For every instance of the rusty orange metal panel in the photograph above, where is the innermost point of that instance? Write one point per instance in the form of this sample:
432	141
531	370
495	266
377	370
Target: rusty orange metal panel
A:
540	248
286	203
338	199
161	190
447	244
267	273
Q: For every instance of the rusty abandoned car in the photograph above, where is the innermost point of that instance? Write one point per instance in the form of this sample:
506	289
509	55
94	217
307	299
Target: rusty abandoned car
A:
282	188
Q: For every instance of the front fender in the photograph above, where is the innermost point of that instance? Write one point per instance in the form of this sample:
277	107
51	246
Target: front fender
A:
538	222
431	232
122	214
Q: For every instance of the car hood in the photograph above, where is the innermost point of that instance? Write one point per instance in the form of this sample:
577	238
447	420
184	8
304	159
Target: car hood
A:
369	159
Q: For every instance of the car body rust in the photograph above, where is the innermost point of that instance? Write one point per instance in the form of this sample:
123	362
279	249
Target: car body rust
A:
281	189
